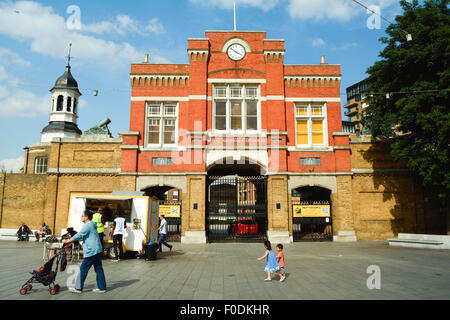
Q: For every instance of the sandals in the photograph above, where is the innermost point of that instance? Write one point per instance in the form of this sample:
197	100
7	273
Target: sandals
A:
283	278
267	279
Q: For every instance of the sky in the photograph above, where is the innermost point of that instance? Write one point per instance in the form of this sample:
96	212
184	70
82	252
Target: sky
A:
107	36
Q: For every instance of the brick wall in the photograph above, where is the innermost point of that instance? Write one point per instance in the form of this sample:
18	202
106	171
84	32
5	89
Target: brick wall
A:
386	198
23	198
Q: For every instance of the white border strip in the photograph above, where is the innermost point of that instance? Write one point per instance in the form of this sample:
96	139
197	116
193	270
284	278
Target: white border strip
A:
236	80
171	99
324	99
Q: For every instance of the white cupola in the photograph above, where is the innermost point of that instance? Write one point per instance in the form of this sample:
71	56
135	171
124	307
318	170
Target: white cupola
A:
64	109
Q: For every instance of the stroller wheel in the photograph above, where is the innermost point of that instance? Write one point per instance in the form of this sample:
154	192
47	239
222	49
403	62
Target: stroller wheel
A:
23	291
28	287
53	292
57	287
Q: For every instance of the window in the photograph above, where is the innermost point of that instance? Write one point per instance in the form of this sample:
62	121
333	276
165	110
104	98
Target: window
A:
310	161
75	104
40	165
162	161
69	104
310	124
59	103
161	124
236	108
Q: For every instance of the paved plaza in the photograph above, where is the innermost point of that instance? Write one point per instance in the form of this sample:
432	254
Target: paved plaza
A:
230	271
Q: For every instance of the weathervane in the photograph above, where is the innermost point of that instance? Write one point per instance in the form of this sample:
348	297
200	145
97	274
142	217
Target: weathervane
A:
69	57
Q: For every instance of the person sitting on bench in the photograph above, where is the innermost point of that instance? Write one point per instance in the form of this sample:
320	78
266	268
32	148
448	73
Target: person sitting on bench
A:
43	231
23	233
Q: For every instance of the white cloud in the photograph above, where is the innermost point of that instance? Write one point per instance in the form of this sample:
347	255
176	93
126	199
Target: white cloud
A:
264	5
9	57
48	34
341	10
18	103
125	24
347	45
12	164
154	26
318	42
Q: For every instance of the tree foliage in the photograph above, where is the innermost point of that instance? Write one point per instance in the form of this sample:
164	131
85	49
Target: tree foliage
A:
418	123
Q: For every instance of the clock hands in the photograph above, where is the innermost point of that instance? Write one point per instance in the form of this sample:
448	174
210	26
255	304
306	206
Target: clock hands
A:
235	51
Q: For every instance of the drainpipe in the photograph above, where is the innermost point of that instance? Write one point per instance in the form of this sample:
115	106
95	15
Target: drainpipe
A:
27	152
3	199
57	186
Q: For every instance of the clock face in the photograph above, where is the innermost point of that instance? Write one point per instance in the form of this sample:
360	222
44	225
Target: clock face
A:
236	52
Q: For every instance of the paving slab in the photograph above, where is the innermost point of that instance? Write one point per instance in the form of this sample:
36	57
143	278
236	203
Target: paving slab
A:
230	271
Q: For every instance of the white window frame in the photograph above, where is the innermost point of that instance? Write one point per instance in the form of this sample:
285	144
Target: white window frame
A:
161	117
39	167
310	117
243	99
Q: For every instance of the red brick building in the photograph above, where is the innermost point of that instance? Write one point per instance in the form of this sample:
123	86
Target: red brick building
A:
236	145
235	109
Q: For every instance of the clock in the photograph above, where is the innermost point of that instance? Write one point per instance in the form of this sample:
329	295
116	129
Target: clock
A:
236	52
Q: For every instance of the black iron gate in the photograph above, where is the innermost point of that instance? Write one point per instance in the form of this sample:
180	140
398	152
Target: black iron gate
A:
237	209
314	227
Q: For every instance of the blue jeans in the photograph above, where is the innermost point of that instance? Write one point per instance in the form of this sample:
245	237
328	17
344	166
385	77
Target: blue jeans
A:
162	241
84	269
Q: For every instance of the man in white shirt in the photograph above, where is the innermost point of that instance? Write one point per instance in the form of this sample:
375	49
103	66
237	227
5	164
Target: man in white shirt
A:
117	231
163	233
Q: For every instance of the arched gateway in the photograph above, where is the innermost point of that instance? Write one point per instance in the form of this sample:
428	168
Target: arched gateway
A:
236	203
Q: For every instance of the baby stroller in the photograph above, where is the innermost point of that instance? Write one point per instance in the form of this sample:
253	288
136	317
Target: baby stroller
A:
46	275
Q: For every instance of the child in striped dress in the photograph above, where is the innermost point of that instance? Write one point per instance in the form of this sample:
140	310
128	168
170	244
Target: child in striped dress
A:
272	263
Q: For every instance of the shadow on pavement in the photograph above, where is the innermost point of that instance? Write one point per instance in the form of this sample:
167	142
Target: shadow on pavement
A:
112	285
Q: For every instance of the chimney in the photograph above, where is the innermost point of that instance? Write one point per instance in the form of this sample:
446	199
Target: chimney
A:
146	58
322	60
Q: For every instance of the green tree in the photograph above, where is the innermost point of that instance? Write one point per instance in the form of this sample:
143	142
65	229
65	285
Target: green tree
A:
415	116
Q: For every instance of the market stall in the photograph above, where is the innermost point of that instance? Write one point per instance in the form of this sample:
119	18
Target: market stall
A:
140	213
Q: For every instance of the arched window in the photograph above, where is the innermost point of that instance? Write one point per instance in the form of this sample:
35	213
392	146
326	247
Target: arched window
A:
69	104
75	104
59	103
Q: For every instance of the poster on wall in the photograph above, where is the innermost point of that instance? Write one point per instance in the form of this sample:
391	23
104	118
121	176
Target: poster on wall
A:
311	211
170	211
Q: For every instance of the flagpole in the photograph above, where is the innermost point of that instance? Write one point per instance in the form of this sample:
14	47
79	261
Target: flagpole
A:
234	5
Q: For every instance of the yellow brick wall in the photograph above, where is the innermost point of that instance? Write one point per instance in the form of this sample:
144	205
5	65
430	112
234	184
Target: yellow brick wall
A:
374	155
88	155
384	205
24	198
386	199
342	205
196	193
277	192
